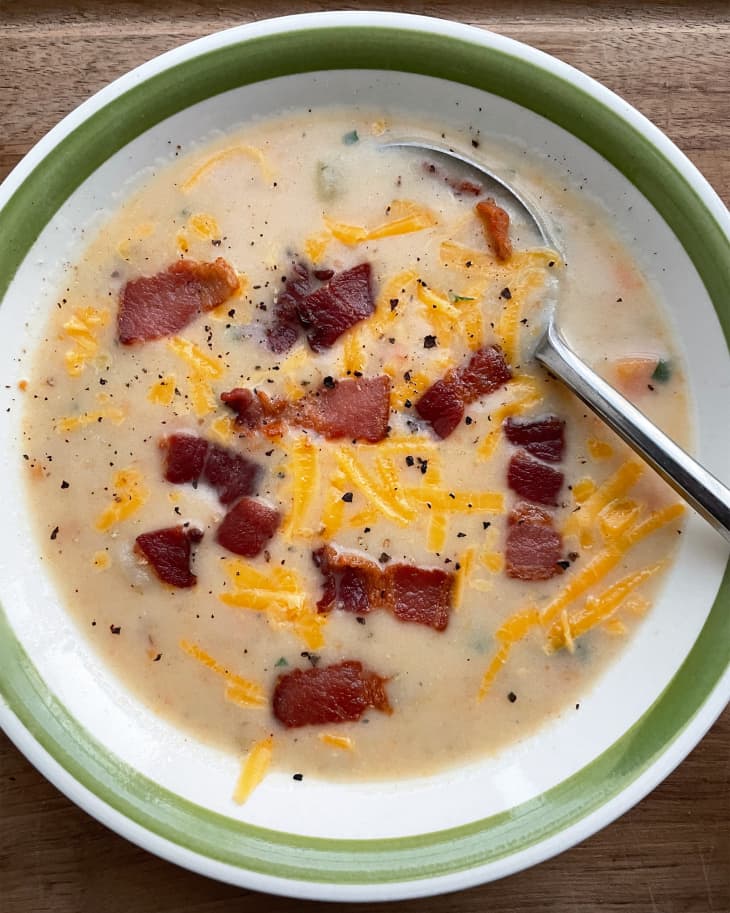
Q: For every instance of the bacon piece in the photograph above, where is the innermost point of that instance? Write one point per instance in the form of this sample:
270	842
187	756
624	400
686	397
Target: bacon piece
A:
231	474
344	301
459	186
356	584
184	457
328	694
357	408
534	547
485	372
247	527
352	583
421	595
533	480
285	331
442	405
542	437
168	551
496	227
192	459
155	306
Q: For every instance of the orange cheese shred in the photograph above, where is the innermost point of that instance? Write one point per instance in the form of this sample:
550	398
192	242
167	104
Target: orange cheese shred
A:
253	769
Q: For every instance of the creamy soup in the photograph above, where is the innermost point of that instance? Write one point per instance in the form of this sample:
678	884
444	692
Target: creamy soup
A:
396	543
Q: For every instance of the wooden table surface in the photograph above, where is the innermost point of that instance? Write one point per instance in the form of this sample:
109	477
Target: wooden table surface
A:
671	854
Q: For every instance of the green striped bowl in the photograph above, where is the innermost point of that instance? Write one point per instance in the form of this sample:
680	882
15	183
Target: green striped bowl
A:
462	827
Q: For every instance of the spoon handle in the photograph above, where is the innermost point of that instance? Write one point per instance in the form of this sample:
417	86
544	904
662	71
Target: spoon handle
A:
693	482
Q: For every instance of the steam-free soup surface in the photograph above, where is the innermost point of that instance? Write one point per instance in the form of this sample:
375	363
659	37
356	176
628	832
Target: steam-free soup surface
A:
314	189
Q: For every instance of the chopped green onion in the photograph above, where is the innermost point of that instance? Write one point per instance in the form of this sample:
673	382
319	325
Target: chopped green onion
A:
662	372
349	138
281	662
461	298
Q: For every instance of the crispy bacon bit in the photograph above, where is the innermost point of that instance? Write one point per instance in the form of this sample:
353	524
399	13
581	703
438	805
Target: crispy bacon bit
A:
442	405
328	694
247	527
245	404
458	186
325	312
356	408
533	545
231	474
184	457
168	551
285	331
344	301
496	227
356	584
193	459
533	480
542	437
421	595
155	306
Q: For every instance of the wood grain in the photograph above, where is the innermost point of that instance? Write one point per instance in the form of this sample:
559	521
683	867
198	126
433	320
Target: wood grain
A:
671	854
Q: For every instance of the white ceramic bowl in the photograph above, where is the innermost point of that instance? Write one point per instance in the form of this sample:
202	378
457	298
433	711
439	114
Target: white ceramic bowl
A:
148	781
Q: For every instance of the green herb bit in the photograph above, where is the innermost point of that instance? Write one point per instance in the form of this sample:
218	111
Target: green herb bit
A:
461	298
350	138
328	181
662	372
281	662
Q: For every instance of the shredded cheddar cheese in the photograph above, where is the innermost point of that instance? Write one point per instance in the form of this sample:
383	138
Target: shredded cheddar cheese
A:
492	561
202	369
129	494
223	428
599	609
607	559
387	501
391	297
74	422
101	561
405	217
315	246
279	594
83	327
580	522
466	563
304	473
511	632
225	155
484	263
617	516
139	233
239	690
162	391
341	742
525	393
204	225
353	358
583	489
599	450
508	328
253	769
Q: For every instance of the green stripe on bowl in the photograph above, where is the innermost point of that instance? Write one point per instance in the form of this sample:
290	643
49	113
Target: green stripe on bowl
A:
440	853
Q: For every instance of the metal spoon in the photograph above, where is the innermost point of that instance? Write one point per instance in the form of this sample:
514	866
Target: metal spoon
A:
693	482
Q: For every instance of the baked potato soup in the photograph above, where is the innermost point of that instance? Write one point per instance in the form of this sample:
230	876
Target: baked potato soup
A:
296	473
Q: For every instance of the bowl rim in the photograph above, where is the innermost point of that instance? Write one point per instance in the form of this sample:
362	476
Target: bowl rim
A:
40	726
